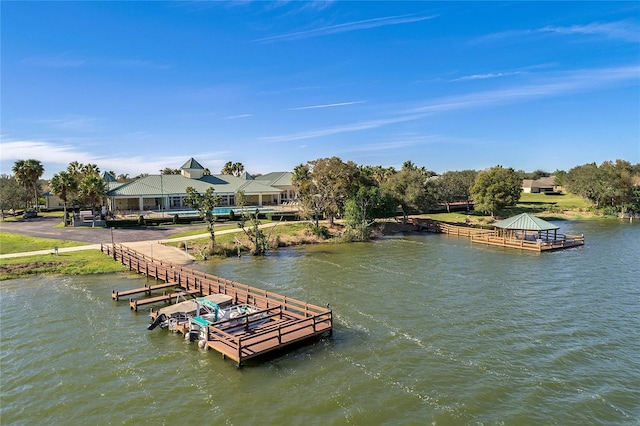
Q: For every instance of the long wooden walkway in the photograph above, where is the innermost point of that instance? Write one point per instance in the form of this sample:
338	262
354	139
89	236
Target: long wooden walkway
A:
492	237
280	322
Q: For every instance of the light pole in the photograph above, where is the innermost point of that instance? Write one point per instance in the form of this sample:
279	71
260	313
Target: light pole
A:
161	195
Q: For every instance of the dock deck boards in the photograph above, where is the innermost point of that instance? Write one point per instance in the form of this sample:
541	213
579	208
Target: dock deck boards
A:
115	295
134	303
289	320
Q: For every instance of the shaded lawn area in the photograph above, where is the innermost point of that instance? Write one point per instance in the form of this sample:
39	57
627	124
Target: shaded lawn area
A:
18	243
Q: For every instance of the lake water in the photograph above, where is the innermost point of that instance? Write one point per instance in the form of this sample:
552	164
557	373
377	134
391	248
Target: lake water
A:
429	329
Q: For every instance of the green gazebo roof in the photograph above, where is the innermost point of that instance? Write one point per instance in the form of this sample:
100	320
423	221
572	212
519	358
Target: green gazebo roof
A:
526	222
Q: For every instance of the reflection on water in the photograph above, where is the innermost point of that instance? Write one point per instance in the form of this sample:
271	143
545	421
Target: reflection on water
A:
428	329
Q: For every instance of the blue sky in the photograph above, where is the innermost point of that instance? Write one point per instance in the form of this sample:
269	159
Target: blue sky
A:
138	86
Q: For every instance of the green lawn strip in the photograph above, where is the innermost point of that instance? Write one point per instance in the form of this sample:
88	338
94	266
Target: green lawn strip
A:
281	230
561	202
232	225
17	243
75	263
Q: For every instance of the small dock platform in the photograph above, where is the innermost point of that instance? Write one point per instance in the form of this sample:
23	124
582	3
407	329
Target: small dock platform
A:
279	322
166	298
116	295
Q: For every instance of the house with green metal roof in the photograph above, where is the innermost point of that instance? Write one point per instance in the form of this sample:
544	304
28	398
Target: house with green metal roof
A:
167	192
282	181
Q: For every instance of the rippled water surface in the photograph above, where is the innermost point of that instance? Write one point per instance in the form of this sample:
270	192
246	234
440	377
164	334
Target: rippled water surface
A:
428	329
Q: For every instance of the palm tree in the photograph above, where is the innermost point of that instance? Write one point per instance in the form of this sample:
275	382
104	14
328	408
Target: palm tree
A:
231	168
92	190
63	184
27	173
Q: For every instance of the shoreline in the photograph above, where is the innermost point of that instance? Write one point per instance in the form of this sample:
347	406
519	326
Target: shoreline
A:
87	260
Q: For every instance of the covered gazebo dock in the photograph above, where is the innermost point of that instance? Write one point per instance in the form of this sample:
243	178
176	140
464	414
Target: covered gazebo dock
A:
530	233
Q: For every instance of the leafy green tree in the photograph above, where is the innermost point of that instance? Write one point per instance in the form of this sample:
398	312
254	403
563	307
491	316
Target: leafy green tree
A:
410	190
361	210
308	194
454	186
204	204
324	186
28	173
63	185
335	181
495	189
12	194
258	238
558	177
612	186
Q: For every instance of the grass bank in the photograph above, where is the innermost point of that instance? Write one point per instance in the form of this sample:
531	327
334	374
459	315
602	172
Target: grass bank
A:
17	243
75	263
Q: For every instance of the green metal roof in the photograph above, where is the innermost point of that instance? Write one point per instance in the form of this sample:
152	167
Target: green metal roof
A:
108	178
276	178
192	164
159	185
527	222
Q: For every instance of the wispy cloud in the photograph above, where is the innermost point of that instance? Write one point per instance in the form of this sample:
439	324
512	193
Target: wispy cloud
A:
626	30
487	76
348	26
233	117
346	128
561	85
623	30
326	105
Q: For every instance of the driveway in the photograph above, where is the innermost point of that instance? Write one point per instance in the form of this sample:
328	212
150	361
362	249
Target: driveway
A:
44	227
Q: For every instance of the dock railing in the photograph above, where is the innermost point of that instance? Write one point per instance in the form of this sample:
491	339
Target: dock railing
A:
296	320
491	236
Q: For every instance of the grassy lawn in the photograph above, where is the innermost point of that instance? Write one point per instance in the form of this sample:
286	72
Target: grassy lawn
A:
17	243
76	263
282	231
203	230
562	201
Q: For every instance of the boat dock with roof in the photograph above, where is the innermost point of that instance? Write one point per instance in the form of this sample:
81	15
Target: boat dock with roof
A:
273	323
523	232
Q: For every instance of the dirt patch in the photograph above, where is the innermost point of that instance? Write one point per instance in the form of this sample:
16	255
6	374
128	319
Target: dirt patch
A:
23	268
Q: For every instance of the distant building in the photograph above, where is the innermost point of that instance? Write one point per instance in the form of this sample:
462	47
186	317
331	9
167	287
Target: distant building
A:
542	185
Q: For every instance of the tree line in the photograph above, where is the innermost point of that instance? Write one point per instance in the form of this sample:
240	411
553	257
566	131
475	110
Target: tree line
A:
331	188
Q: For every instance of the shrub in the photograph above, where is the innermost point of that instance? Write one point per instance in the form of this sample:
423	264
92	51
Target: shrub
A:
321	232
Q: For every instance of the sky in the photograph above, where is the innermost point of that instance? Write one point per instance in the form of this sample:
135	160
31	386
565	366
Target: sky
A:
135	87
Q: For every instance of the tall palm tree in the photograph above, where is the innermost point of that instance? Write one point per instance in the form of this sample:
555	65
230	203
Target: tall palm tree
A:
63	184
27	173
92	189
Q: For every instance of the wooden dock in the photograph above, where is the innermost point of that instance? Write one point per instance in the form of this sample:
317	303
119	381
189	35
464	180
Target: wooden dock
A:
116	295
492	237
280	322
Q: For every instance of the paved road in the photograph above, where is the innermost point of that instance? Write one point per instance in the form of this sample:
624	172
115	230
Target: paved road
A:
140	239
44	227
